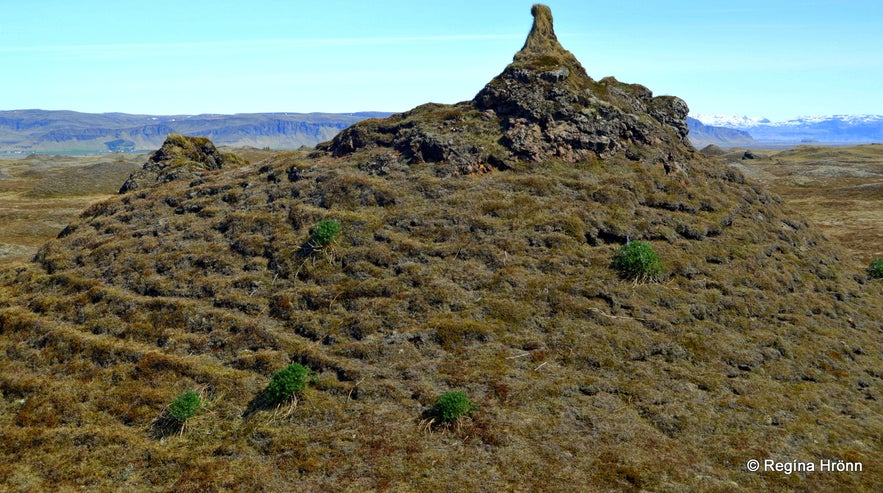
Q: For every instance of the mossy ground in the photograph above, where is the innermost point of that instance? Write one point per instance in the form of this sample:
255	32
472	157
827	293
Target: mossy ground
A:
763	339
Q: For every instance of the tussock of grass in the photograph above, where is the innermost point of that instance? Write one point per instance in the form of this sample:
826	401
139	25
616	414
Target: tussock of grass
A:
637	260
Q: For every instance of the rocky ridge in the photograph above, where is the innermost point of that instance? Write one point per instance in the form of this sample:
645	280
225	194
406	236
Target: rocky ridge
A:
542	106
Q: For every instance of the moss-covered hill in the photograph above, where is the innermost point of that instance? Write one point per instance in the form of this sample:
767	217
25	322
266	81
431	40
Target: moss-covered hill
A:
761	341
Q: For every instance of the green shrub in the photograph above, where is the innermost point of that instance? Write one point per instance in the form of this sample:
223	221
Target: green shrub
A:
637	260
286	383
451	405
185	406
324	233
876	268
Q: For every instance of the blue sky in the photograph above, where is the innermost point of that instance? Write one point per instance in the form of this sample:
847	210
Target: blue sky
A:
778	59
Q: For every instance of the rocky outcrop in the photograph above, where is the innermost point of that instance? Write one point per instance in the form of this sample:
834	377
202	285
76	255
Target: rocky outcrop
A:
180	157
543	106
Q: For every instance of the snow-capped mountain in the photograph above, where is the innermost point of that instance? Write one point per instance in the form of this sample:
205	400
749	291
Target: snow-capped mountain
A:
814	128
730	121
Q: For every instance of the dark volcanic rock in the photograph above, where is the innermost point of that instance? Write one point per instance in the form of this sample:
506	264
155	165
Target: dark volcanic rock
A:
752	155
179	157
542	106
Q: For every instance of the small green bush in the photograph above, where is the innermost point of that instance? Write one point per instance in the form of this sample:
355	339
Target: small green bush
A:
325	232
637	260
185	406
451	405
875	270
286	383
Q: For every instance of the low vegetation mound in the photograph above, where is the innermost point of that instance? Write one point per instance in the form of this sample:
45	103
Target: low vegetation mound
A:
637	260
286	383
450	406
180	157
761	342
185	406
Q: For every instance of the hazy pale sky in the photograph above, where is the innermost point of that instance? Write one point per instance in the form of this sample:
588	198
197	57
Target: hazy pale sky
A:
778	59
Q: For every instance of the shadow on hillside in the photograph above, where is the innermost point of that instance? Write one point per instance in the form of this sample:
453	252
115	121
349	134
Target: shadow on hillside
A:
165	426
260	402
308	249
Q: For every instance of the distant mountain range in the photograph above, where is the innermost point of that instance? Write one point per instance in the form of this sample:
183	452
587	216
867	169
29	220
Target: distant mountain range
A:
702	135
66	132
823	129
29	131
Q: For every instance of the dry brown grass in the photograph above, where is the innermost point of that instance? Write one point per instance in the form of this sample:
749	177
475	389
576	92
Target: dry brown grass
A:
40	195
839	189
763	341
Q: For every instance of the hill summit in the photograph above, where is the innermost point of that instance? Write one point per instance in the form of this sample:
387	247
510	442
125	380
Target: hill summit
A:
542	106
179	157
445	278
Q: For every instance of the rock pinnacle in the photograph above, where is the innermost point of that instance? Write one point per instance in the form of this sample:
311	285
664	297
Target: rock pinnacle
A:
542	35
541	48
543	106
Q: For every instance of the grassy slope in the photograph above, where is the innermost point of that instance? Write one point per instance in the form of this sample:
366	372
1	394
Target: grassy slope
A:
763	340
